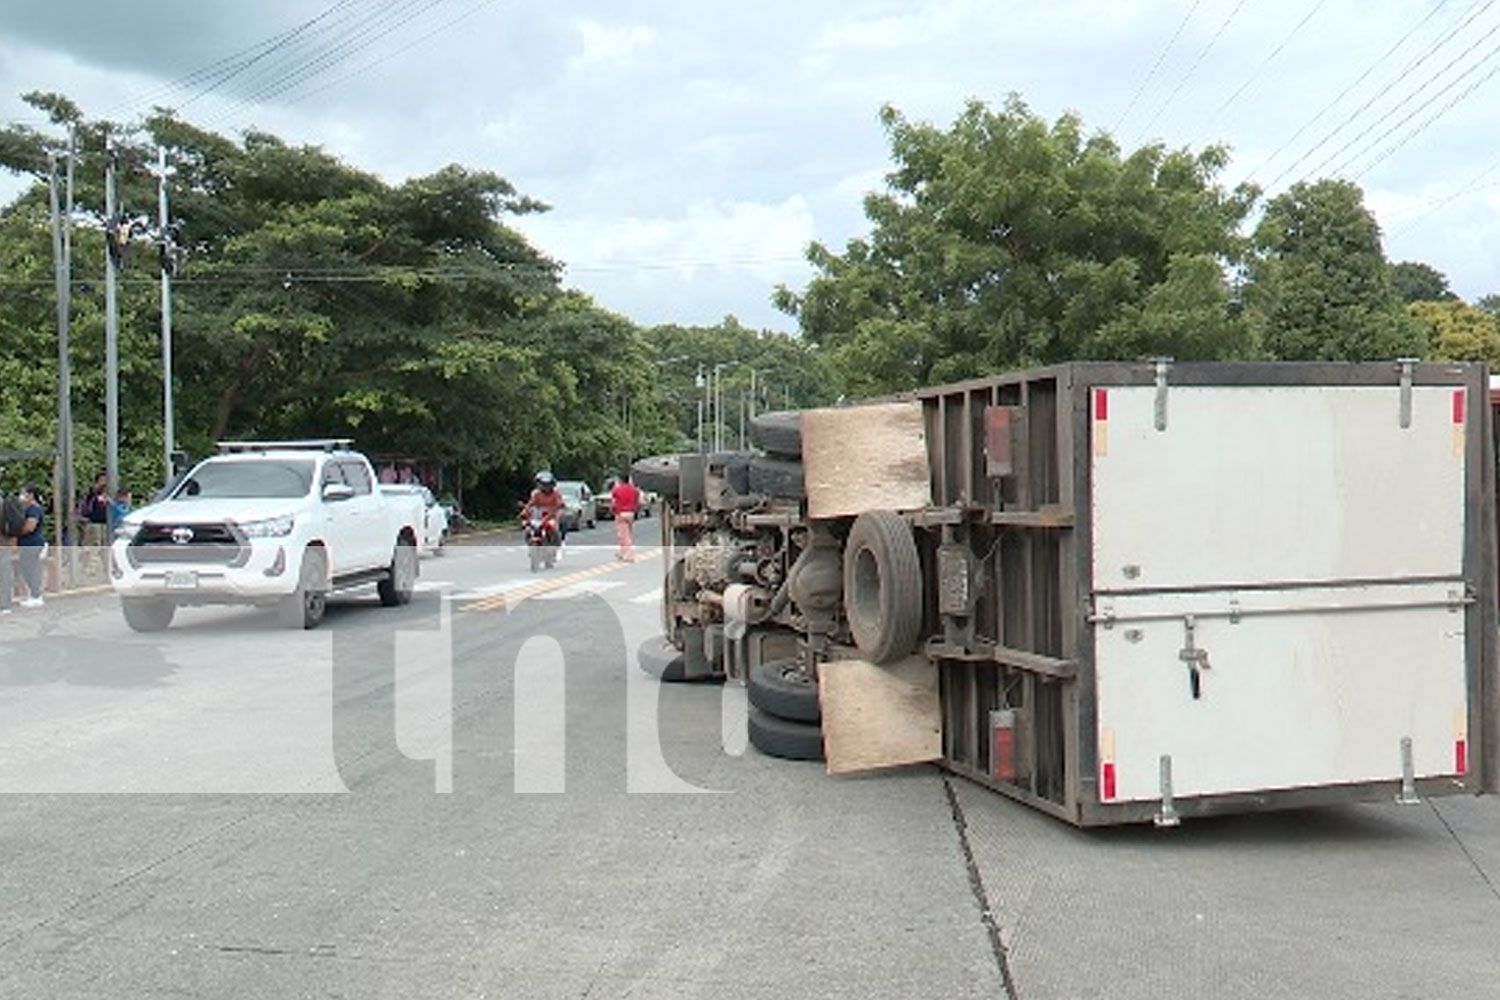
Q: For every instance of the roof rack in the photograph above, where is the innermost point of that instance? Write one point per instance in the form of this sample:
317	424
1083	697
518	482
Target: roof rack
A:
303	444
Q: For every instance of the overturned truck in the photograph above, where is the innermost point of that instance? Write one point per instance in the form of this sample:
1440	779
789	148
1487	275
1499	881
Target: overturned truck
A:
1117	592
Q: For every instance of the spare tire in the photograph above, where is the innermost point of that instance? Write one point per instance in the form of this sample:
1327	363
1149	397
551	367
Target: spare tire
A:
777	477
784	738
778	432
657	474
883	586
779	688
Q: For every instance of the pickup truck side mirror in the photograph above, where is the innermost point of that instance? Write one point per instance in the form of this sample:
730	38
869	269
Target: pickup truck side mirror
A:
337	491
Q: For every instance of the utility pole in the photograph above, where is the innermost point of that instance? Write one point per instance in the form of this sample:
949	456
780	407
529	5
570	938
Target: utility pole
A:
62	264
111	325
702	395
168	433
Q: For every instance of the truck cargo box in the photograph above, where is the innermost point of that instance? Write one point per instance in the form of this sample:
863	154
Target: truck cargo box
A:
1162	590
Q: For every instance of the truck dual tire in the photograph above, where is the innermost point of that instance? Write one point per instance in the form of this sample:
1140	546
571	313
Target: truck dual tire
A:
779	688
778	432
657	474
147	614
661	659
784	738
883	586
660	473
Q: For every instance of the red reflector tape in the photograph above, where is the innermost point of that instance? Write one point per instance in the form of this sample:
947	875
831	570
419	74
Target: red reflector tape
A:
1458	406
1109	779
1461	756
1101	404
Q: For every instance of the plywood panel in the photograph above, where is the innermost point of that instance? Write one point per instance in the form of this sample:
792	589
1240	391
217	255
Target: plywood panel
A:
879	716
861	458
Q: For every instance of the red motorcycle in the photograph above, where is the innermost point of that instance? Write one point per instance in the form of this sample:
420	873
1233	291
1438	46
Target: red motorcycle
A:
542	539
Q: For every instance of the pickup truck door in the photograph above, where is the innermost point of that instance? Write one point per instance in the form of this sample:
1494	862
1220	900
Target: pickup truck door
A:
365	515
337	532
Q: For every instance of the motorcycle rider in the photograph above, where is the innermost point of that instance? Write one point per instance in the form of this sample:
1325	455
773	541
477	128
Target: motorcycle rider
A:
545	498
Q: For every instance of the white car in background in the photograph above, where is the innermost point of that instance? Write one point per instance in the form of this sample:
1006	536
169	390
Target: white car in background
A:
433	516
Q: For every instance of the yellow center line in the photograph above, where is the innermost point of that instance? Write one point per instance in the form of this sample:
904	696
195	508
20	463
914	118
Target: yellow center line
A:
516	595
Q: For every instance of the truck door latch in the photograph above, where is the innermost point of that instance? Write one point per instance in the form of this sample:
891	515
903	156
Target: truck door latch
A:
1195	658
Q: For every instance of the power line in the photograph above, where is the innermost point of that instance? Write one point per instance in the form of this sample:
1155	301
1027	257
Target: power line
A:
1406	71
392	54
1267	60
1347	90
1193	68
1151	74
1462	95
206	79
1473	67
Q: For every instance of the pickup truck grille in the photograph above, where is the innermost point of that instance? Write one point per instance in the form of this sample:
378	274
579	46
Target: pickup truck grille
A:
201	544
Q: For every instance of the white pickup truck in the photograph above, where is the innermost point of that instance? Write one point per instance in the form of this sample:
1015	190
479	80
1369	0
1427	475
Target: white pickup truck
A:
279	523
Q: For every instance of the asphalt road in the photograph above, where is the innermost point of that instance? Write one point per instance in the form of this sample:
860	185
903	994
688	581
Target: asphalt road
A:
479	795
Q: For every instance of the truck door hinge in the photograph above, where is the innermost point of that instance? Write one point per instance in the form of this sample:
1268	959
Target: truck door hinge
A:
1195	657
1163	365
1408	366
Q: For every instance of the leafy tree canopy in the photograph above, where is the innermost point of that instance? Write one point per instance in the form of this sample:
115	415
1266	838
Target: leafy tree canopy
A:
1418	282
310	299
1321	289
1006	241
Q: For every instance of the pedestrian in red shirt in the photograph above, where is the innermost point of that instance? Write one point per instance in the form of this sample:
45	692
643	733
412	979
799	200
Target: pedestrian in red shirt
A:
626	500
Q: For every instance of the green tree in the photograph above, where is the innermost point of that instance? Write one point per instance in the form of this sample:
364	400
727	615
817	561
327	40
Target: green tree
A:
1320	288
1418	282
1005	241
313	299
760	370
1457	331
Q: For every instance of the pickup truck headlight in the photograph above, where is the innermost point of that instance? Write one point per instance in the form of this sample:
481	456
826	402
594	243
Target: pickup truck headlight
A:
271	527
125	530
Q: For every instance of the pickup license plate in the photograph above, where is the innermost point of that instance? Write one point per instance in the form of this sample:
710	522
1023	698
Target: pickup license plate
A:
182	581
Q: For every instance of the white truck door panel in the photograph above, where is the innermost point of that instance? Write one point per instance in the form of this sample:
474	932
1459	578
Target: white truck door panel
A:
1304	687
1249	484
1316	546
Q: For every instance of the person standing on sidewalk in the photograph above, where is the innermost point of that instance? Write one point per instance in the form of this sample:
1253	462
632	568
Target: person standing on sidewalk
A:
10	522
31	541
626	500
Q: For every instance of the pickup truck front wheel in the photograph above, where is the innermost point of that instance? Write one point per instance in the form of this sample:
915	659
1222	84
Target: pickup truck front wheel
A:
304	607
401	581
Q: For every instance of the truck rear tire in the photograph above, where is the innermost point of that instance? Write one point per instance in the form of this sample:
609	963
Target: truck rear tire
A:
784	738
778	432
777	477
779	688
883	586
661	659
401	581
657	474
147	614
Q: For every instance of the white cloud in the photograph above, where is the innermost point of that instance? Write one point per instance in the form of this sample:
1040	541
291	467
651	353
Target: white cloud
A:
607	46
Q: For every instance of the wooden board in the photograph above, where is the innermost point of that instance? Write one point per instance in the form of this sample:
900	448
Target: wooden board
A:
861	458
879	716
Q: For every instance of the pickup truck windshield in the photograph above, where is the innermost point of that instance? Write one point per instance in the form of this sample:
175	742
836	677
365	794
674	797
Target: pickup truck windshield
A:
245	480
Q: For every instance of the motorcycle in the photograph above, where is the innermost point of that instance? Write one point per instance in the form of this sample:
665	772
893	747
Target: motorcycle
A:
542	539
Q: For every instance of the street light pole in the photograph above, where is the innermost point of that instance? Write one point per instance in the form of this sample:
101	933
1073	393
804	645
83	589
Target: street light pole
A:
168	432
111	328
702	398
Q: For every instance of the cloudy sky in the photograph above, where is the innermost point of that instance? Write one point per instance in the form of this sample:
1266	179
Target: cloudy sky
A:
691	151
